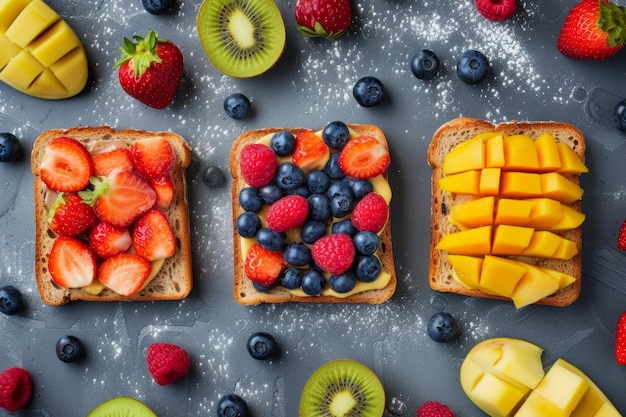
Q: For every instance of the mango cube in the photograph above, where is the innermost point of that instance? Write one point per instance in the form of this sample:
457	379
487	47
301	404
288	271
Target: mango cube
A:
543	244
513	212
516	184
557	187
510	240
463	183
494	152
533	286
489	181
545	213
499	276
474	213
466	156
547	153
32	21
571	164
466	270
570	219
520	153
475	241
496	397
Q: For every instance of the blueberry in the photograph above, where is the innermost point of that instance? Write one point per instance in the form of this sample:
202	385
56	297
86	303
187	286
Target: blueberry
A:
11	301
247	224
312	231
319	207
442	327
336	135
472	67
237	106
368	91
212	176
367	268
263	288
297	254
270	193
332	167
270	239
318	181
283	143
157	6
619	115
232	405
250	200
262	346
360	188
425	64
366	243
313	282
69	348
291	278
342	283
289	176
10	148
302	191
341	199
344	226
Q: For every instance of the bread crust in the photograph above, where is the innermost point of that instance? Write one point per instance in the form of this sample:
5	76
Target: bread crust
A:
440	276
244	291
175	279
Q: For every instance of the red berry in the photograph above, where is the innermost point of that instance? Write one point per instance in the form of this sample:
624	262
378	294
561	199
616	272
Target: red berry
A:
370	213
167	362
72	264
334	253
288	212
263	266
153	157
164	189
107	240
310	151
258	164
496	10
104	163
70	216
124	273
621	237
66	165
620	340
434	409
325	18
153	237
16	388
364	157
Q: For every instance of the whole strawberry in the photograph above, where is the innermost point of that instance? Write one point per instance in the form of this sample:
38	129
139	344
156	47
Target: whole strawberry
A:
325	18
167	362
150	69
620	340
70	216
594	30
434	409
621	237
16	388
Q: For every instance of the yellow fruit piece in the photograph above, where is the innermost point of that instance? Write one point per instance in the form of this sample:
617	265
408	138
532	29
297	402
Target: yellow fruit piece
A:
566	250
513	212
489	181
474	213
534	285
468	242
520	153
514	184
547	153
557	187
466	270
499	276
40	54
495	152
466	156
510	240
544	213
542	244
463	183
570	162
570	219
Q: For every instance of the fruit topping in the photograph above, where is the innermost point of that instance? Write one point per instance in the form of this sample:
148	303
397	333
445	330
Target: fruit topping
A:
167	362
342	283
66	165
157	6
472	67
232	405
370	213
124	273
10	148
425	64
325	18
263	266
620	340
310	151
364	157
368	91
164	189
288	212
71	262
16	388
334	253
342	387
107	240
70	215
283	143
237	106
496	10
313	282
121	406
621	237
619	115
262	346
289	176
434	409
152	236
366	243
11	300
242	38
153	157
150	69
104	163
442	327
258	164
69	348
213	176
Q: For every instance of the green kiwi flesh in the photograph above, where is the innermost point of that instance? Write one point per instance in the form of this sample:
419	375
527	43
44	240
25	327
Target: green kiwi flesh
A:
342	388
121	407
242	38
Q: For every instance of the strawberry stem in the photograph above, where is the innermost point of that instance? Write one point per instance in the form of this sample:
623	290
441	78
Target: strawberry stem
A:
100	186
612	20
142	52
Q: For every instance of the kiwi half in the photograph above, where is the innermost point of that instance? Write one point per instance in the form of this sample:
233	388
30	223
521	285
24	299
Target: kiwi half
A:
242	38
121	407
342	388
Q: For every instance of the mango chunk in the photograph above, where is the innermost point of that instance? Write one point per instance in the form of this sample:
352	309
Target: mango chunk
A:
570	219
547	153
566	250
466	270
557	187
489	181
475	241
33	20
544	213
494	152
467	156
513	212
510	240
499	276
496	397
514	184
474	213
570	162
520	153
542	244
534	285
462	183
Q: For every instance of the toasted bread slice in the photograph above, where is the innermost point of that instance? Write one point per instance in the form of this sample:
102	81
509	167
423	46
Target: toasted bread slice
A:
441	273
174	280
244	291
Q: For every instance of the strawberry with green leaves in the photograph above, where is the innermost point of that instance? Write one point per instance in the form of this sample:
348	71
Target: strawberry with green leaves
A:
593	30
150	69
70	215
324	18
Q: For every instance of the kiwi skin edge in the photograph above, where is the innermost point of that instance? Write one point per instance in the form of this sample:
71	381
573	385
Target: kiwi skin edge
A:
121	406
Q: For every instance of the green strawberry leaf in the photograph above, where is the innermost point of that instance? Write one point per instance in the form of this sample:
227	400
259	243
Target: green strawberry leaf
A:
612	20
142	52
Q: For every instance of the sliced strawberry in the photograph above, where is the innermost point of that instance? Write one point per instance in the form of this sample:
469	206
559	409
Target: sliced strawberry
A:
164	188
106	162
364	157
66	165
120	198
153	157
124	273
107	240
70	216
263	266
71	263
153	237
310	152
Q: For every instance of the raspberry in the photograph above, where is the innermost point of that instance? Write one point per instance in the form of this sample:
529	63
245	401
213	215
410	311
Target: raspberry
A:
334	253
434	409
288	212
16	388
370	214
496	10
167	362
258	164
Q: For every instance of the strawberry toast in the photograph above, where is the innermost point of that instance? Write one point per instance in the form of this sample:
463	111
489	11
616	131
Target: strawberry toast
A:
311	215
111	215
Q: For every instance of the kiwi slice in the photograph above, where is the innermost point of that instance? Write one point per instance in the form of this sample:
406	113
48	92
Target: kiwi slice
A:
242	38
342	388
121	407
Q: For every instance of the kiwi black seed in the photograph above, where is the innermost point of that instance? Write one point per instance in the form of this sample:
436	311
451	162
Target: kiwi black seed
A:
121	407
242	38
342	388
